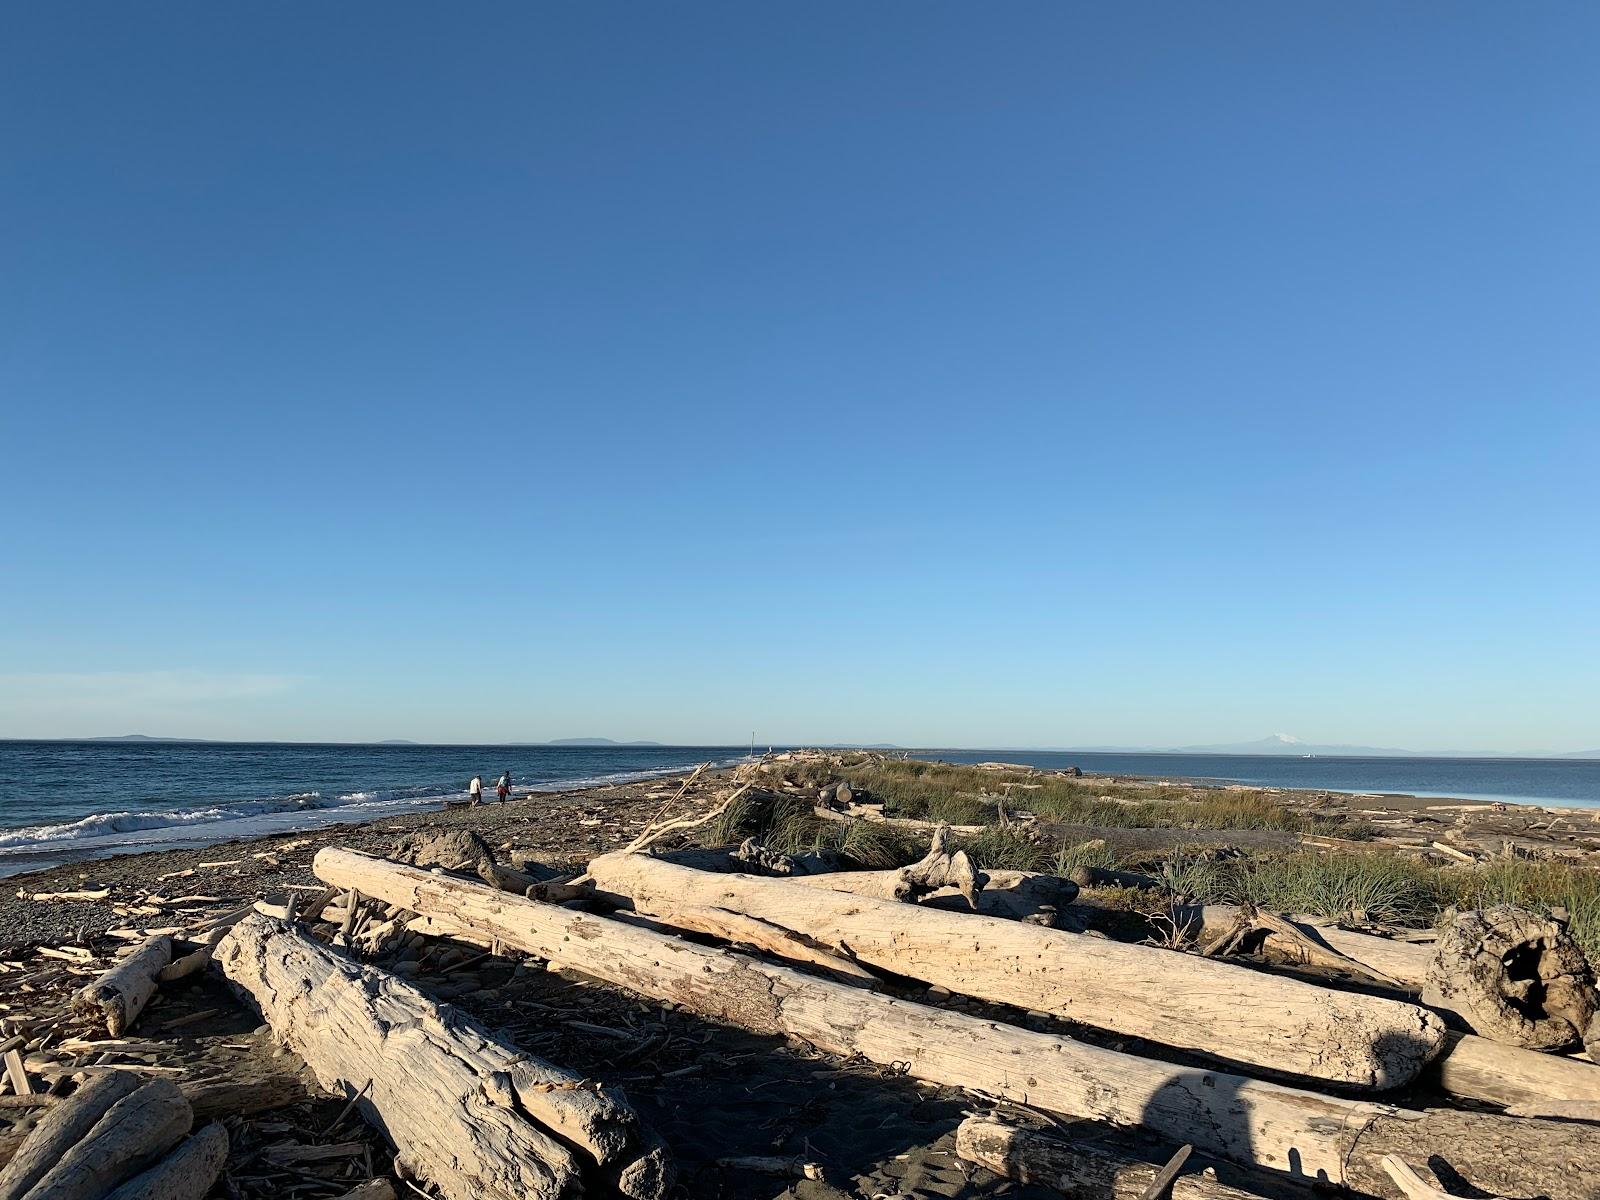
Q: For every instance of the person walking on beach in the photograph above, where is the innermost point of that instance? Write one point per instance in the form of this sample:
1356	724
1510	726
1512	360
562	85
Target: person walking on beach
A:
503	786
475	790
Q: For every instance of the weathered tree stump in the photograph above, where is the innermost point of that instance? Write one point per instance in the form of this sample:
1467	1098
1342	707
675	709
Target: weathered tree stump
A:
1514	976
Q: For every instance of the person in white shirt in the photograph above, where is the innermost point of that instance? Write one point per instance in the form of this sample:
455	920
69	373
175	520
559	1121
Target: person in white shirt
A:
475	790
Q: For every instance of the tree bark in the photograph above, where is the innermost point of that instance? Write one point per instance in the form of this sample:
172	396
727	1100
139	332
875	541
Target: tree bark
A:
63	1127
119	995
185	1174
1084	1172
1223	1115
1178	999
473	1116
134	1132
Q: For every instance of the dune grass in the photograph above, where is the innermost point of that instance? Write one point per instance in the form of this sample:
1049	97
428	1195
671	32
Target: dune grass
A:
1388	888
965	795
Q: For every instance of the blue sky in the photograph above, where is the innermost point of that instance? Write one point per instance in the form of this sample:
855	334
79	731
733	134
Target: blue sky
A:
952	374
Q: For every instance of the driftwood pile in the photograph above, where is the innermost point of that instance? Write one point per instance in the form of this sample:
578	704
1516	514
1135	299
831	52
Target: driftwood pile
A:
939	970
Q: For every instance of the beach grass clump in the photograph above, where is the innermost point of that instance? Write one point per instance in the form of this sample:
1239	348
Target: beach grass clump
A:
1084	854
1006	848
868	844
779	822
1542	886
1358	887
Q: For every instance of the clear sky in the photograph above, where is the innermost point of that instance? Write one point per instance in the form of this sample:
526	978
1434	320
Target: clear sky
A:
955	374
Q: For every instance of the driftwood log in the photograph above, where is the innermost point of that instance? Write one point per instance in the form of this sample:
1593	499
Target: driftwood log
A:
1514	976
1086	1172
1227	1116
467	1113
185	1174
132	1134
1177	999
119	995
1529	1081
62	1128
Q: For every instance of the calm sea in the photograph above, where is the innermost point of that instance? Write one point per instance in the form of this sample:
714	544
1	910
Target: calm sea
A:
62	801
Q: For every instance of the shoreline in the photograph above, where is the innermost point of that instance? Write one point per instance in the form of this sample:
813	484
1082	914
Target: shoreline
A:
565	828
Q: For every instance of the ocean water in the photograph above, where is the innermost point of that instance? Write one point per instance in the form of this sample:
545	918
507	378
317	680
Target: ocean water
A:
1565	782
64	801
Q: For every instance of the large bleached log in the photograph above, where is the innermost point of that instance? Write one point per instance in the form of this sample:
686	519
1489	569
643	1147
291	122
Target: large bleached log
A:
1178	999
1469	1066
1526	1080
185	1174
1088	1173
119	995
134	1132
1223	1115
62	1128
469	1114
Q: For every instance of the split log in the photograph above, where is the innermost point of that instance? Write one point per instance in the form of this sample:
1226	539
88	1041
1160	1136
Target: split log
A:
1223	1115
877	818
119	995
185	1174
134	1132
1514	976
1404	962
1086	1172
1178	999
467	1113
63	1127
